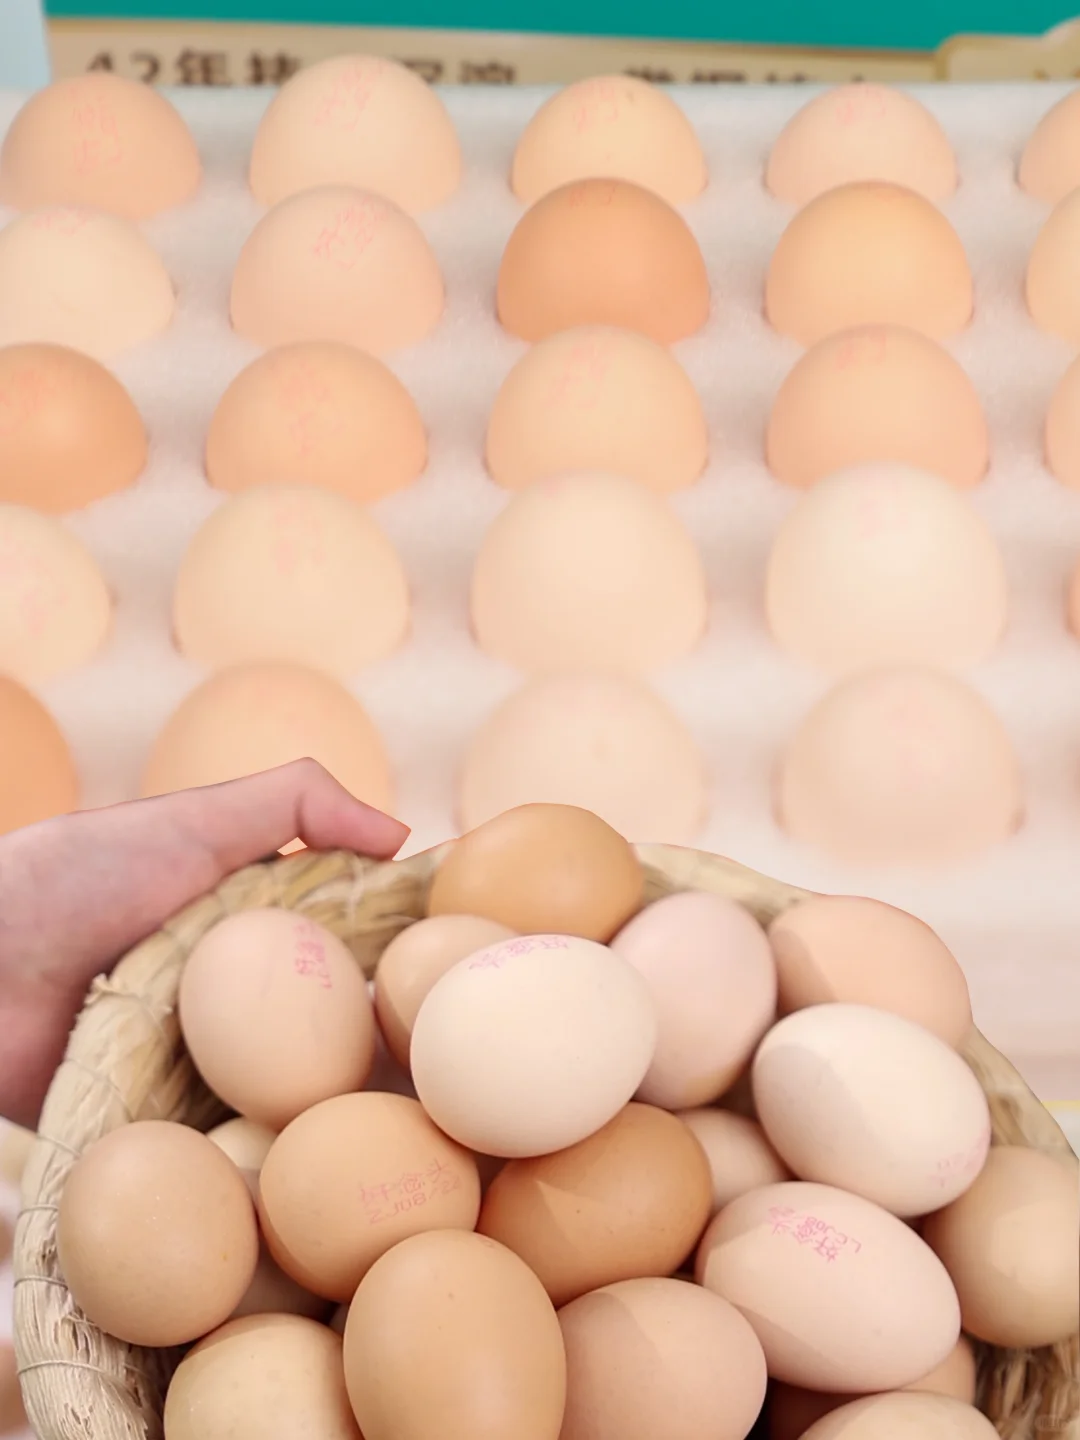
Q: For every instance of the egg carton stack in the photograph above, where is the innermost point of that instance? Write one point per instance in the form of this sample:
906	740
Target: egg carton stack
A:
387	565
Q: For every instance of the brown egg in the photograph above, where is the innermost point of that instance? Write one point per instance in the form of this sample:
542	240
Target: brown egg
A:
352	1177
1053	275
37	772
542	869
1050	164
81	278
863	952
655	1357
357	120
868	253
1062	434
335	263
877	392
1011	1244
100	140
246	1143
12	1413
896	1416
317	413
598	397
739	1154
410	965
613	127
270	1377
69	431
156	1234
254	717
603	252
630	1201
451	1335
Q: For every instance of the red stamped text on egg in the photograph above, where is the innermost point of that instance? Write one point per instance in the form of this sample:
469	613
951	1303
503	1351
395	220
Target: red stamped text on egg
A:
98	143
345	101
411	1190
298	539
871	347
22	397
599	102
345	240
63	220
594	195
308	402
965	1164
817	1235
858	106
498	955
581	381
309	955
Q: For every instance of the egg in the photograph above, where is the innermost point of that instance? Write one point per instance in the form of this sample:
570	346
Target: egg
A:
861	132
354	1176
588	571
1011	1243
415	959
245	1142
868	252
81	278
792	1411
1049	165
254	717
612	127
900	766
877	393
884	564
156	1234
100	140
597	397
55	608
604	742
69	431
603	251
863	952
451	1334
336	263
12	1413
1062	430
275	1014
358	120
1052	282
893	1417
37	772
841	1294
629	1202
531	1044
738	1151
708	966
264	1378
317	413
659	1357
292	573
870	1102
542	868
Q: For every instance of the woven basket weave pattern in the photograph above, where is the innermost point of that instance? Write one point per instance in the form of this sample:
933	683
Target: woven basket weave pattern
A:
126	1062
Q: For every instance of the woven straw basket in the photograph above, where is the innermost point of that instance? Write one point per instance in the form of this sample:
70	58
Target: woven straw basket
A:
126	1062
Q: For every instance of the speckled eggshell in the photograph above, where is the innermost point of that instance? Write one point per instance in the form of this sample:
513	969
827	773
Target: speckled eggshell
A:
1052	284
902	766
69	431
1050	163
616	127
868	253
81	278
318	412
885	564
861	132
294	573
588	571
606	743
603	252
55	608
37	772
877	392
335	263
254	717
100	140
597	397
358	120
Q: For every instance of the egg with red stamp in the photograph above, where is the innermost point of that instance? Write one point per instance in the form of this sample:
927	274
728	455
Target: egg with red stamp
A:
276	1014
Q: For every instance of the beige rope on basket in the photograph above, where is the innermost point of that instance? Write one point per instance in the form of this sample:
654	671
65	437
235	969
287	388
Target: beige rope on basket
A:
126	1061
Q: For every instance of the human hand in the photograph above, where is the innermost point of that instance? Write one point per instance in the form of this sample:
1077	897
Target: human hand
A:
78	891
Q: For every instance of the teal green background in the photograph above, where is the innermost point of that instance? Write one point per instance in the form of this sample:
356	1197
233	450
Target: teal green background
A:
917	25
